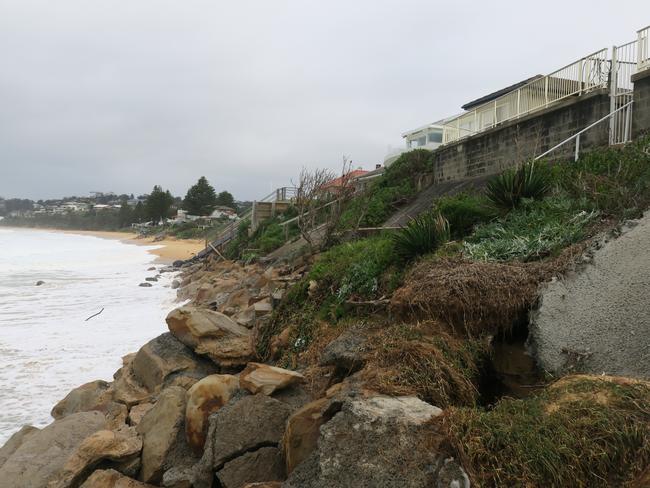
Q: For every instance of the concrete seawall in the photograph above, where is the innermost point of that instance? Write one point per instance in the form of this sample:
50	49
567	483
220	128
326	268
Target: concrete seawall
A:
598	319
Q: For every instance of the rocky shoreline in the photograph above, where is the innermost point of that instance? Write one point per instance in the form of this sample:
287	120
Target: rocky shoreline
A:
193	408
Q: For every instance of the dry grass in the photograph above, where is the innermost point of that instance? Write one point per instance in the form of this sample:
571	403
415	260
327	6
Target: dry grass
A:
477	298
437	368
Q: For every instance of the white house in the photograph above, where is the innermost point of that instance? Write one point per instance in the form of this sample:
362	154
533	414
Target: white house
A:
426	137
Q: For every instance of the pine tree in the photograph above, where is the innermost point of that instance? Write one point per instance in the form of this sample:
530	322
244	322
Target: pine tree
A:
226	199
200	198
158	204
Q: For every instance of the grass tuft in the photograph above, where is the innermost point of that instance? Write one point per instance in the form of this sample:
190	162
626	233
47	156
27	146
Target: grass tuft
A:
422	235
581	432
507	190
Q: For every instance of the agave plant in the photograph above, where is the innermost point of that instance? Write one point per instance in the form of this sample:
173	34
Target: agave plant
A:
507	189
422	235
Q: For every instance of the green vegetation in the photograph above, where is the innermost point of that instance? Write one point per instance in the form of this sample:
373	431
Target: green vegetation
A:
614	181
534	230
159	204
583	432
464	212
506	191
360	270
225	199
422	235
268	237
201	199
396	187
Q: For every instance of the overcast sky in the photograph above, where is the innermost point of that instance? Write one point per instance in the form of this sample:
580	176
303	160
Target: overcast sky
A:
124	94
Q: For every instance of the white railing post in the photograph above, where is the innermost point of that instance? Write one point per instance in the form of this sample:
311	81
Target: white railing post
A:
518	102
546	91
580	75
612	95
577	153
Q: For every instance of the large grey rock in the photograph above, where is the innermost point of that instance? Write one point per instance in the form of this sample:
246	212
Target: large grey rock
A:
264	464
377	441
165	361
213	334
160	428
15	441
246	424
42	455
346	352
597	319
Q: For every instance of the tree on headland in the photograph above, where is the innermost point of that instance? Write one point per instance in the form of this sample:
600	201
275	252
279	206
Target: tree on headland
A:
139	213
225	199
158	204
200	198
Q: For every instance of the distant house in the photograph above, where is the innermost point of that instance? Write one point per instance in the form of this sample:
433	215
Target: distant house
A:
334	186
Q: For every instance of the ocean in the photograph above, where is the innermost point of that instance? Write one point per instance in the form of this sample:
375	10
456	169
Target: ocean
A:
47	347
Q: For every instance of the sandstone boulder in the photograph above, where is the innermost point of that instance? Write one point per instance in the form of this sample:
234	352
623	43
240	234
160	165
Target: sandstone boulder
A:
109	478
302	432
159	429
126	387
85	398
264	464
15	441
378	441
204	398
262	378
43	454
211	333
104	445
137	412
165	361
264	484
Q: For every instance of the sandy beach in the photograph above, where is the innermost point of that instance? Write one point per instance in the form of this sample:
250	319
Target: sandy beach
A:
170	249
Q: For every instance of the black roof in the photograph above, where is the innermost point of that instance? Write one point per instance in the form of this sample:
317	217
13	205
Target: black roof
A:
498	93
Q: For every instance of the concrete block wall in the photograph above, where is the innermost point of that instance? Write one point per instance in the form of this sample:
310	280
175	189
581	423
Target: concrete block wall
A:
641	106
507	145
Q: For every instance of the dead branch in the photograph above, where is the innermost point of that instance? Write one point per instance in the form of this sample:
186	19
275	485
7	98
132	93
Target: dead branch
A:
94	315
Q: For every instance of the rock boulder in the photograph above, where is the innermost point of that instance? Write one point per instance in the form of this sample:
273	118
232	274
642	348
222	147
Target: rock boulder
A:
378	441
165	361
204	398
159	428
109	478
43	454
212	333
262	378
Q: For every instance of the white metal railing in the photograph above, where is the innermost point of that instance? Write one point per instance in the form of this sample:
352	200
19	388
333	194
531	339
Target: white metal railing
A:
643	52
621	89
583	75
577	135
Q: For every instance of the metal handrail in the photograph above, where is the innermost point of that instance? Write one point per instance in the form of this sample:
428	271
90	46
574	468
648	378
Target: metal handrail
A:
577	135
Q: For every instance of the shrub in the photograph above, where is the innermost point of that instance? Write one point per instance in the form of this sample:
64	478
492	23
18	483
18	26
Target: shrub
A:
535	230
353	268
615	181
581	431
464	211
422	235
531	180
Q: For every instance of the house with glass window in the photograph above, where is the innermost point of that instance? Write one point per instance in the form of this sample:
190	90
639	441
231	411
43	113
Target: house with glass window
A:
426	137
